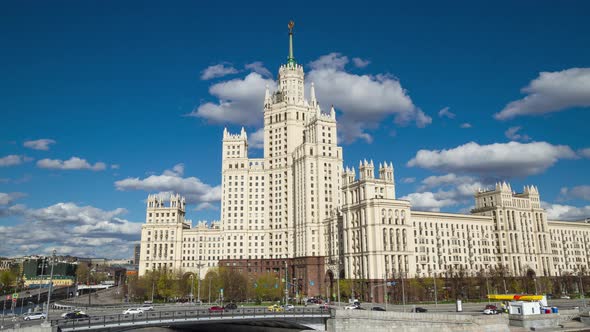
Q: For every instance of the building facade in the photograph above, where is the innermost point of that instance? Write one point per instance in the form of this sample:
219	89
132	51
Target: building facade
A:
300	211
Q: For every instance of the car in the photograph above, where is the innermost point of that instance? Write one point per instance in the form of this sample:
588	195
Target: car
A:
133	311
275	308
76	315
488	311
419	309
72	312
288	307
491	306
215	309
231	306
146	307
565	297
378	309
35	315
351	307
359	308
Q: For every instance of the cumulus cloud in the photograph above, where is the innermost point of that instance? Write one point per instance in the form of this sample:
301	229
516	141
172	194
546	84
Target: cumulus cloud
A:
193	189
256	139
512	134
437	192
8	198
578	192
408	180
90	231
13	160
74	163
40	144
363	100
258	67
360	63
218	70
240	101
566	212
466	125
445	113
498	160
551	92
585	153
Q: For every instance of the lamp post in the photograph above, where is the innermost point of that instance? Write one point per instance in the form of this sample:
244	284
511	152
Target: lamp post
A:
42	271
50	287
192	286
199	266
435	292
88	284
535	280
286	284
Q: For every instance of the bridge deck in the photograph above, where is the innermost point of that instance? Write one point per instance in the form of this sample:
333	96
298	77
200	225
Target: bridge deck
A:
184	317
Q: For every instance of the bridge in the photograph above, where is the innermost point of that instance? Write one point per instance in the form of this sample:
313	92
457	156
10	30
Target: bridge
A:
298	317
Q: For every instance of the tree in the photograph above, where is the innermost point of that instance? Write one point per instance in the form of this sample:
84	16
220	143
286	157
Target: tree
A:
267	288
234	284
7	280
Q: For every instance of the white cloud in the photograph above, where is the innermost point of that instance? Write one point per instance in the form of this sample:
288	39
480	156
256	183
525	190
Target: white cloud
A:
258	67
40	144
498	160
241	101
256	139
466	125
216	71
193	189
360	63
578	192
451	190
566	212
115	166
89	231
584	153
512	134
408	180
445	113
74	163
8	198
13	160
364	100
551	92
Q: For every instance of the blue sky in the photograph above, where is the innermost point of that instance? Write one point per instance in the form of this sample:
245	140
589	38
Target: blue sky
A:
125	88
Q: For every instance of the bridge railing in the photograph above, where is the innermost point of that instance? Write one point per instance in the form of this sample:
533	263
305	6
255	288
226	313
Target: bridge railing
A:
153	317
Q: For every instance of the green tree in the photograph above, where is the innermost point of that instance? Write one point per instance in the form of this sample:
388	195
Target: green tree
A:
267	288
234	284
7	280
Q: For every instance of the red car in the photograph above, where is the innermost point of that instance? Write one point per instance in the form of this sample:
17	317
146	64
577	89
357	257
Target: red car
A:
216	309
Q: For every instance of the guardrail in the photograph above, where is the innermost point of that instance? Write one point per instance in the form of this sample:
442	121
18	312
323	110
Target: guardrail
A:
151	318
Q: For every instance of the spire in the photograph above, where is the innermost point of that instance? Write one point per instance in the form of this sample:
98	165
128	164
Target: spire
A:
225	132
267	96
243	133
291	59
332	112
312	95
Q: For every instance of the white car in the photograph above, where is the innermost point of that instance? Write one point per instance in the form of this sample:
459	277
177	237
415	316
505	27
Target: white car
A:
490	312
133	311
147	307
35	315
351	307
288	307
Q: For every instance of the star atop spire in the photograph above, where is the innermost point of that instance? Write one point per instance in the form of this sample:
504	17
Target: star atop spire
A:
291	60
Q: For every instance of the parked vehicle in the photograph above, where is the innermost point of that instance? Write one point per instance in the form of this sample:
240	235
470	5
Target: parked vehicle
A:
231	306
35	315
351	307
215	309
288	307
419	309
133	311
491	306
377	309
565	297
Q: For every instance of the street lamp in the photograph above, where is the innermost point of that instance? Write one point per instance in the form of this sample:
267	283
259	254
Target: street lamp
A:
50	287
199	266
42	270
192	287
